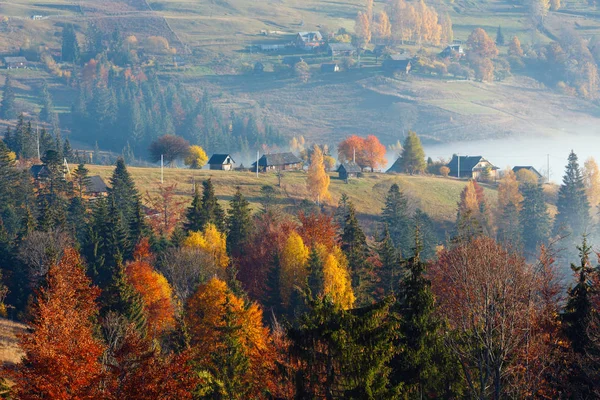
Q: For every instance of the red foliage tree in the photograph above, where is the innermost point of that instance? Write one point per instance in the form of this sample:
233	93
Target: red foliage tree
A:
318	229
368	152
62	355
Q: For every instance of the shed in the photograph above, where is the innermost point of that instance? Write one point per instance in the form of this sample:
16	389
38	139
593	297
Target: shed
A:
15	62
332	67
222	162
348	170
397	63
97	187
453	50
528	168
278	162
471	167
39	172
341	49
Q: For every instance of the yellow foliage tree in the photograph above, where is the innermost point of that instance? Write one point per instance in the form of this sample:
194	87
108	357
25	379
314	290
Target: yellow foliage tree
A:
591	178
362	27
508	192
329	162
526	176
514	47
211	242
196	157
317	179
383	27
336	278
293	261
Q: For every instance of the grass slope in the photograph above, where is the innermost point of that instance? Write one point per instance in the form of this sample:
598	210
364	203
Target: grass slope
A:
434	195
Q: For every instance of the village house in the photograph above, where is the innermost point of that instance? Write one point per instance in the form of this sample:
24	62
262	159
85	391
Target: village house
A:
332	67
278	162
397	63
528	168
341	50
222	162
472	167
453	50
348	170
97	187
15	62
39	172
308	40
396	167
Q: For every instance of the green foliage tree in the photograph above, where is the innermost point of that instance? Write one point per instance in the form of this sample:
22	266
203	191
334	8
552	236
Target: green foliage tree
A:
390	270
354	245
70	47
573	208
239	222
8	109
395	216
47	113
211	209
193	214
413	155
534	218
499	37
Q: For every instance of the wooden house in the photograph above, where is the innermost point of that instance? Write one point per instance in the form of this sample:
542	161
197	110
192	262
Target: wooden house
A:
396	167
472	167
348	170
453	51
97	187
528	168
278	162
39	172
397	63
222	162
341	50
308	40
15	62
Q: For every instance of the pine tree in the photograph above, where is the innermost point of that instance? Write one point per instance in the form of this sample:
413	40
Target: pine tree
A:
8	109
429	239
499	37
315	280
395	216
70	46
8	176
47	142
211	211
413	155
239	222
193	215
354	245
534	218
81	179
126	199
67	151
47	113
573	208
341	212
390	271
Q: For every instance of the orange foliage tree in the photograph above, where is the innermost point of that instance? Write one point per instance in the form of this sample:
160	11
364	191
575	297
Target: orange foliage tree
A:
62	355
369	151
230	343
318	229
168	209
154	289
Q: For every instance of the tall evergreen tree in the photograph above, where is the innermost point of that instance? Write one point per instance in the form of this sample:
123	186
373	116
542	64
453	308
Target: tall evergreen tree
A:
47	113
341	212
8	176
390	271
354	245
8	108
499	37
429	239
193	214
211	210
573	208
413	155
239	222
509	231
395	216
126	199
70	46
534	218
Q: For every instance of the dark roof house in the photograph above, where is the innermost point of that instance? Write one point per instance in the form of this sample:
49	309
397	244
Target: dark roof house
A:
309	40
528	168
397	63
348	170
396	167
278	161
341	49
222	162
453	49
39	171
97	185
471	167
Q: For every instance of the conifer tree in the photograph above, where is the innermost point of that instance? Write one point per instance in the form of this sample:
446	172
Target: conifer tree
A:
390	271
47	113
239	222
8	176
395	216
67	151
341	212
194	214
534	218
413	155
573	208
127	204
315	280
70	46
211	211
354	245
81	179
8	109
499	37
429	239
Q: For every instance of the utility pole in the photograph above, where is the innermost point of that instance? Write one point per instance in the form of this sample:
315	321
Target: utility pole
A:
257	154
547	168
161	169
37	134
458	170
354	155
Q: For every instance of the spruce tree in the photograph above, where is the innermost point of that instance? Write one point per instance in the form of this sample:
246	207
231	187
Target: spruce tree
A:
534	218
8	108
47	113
127	203
81	179
429	238
390	271
67	150
211	210
315	279
413	155
499	37
354	245
573	208
70	46
239	222
509	226
341	212
194	215
8	176
395	216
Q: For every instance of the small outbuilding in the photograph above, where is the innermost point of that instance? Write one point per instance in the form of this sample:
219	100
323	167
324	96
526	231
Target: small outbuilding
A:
341	49
453	50
278	162
472	167
222	162
39	172
15	62
348	170
397	63
332	67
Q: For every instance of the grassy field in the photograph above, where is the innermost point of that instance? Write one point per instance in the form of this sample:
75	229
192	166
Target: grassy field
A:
10	353
434	195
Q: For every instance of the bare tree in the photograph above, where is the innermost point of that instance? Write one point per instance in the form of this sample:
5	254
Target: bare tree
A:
40	250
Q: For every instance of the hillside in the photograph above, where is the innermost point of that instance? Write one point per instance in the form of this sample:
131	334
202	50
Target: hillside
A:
434	195
9	349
